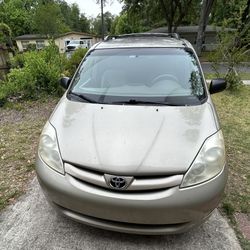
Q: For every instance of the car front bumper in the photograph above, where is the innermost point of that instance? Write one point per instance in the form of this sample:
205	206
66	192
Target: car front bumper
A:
173	210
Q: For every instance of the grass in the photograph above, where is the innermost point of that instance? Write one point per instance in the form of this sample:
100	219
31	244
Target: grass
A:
20	126
243	75
234	113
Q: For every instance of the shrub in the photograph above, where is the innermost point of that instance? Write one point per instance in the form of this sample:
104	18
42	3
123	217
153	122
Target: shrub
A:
231	56
232	51
31	47
34	73
17	61
74	61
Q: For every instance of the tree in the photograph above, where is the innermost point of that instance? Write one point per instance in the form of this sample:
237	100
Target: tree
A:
204	17
102	3
141	15
66	12
72	17
173	12
5	35
227	10
243	29
49	20
96	23
122	25
47	17
233	14
18	14
84	24
233	46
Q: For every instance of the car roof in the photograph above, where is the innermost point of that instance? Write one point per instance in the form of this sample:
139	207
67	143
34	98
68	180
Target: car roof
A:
144	40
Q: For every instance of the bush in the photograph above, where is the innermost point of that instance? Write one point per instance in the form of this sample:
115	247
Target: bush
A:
74	61
232	53
31	47
17	61
34	73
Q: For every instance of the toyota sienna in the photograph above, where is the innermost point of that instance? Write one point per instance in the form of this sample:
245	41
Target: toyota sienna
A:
134	145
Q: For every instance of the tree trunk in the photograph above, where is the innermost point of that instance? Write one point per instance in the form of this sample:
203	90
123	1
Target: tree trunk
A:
168	18
102	2
183	7
205	11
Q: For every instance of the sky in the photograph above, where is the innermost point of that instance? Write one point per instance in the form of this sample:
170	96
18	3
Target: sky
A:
90	8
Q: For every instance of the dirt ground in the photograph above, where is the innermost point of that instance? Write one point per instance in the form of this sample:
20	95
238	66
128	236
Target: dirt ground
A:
20	127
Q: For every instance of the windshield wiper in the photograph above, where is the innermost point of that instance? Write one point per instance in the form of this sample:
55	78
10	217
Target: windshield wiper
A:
82	97
135	102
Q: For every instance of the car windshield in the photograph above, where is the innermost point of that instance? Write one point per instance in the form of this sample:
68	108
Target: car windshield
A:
163	75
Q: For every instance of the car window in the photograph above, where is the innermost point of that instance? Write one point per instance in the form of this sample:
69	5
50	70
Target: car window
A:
74	42
145	73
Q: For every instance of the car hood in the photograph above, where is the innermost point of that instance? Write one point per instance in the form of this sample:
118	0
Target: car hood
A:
132	140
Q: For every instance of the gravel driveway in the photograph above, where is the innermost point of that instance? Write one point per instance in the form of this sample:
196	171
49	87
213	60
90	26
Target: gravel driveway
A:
32	224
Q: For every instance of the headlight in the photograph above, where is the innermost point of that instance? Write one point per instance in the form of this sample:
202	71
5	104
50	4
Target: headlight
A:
208	163
48	148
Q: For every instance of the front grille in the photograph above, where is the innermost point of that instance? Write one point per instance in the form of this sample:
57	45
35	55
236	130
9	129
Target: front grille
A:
139	183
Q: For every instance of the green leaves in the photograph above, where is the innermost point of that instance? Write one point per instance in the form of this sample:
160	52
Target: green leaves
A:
149	14
34	73
97	23
17	16
74	61
40	16
49	20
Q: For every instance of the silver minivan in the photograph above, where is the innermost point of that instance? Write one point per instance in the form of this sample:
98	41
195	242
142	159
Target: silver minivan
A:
134	145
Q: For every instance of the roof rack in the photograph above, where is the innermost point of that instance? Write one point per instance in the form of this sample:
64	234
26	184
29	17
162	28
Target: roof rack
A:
113	37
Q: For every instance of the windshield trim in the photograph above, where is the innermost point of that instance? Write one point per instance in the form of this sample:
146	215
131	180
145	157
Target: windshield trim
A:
136	100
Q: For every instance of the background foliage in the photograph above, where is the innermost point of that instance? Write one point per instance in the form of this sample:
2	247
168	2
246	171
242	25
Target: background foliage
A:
33	74
36	73
57	16
73	62
47	17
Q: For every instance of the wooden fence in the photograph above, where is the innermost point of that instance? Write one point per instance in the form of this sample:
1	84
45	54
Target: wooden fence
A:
4	62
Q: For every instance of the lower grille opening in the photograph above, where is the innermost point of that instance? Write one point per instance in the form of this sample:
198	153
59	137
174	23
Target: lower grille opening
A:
119	223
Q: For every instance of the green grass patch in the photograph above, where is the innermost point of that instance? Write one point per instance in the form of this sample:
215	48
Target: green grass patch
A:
234	112
243	75
20	127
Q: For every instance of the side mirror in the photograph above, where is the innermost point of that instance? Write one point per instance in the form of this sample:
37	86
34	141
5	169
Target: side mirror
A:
217	85
64	82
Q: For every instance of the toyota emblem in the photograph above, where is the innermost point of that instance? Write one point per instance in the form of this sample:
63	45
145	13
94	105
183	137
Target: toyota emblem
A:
117	182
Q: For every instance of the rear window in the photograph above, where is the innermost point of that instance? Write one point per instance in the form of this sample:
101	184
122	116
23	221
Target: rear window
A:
74	42
170	74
